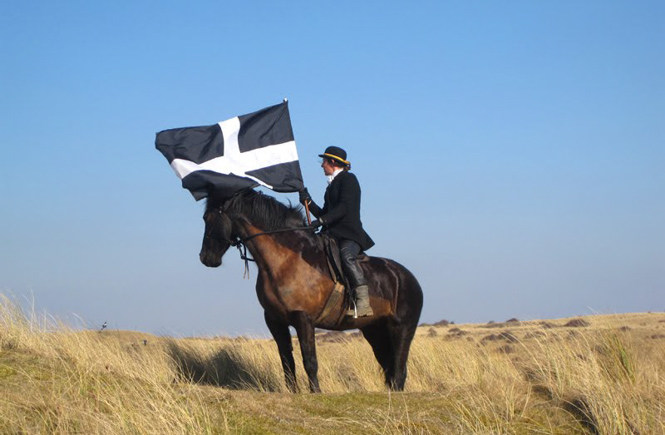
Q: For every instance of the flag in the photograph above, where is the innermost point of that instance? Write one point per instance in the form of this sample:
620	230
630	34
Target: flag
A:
241	152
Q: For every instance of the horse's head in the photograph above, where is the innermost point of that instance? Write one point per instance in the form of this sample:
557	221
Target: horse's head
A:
218	235
225	216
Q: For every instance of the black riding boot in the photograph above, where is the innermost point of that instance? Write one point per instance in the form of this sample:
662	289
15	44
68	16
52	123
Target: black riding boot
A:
349	251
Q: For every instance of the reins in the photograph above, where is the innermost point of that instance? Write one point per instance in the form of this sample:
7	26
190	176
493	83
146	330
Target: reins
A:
281	230
241	244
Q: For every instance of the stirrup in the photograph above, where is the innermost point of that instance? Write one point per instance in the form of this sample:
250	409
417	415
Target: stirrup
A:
352	311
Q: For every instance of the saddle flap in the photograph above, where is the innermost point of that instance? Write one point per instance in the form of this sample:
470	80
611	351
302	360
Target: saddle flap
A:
335	260
333	257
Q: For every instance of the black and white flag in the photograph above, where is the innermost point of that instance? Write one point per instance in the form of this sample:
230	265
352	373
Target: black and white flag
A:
241	152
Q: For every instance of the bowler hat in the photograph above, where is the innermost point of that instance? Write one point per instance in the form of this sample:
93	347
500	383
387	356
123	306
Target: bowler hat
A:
335	153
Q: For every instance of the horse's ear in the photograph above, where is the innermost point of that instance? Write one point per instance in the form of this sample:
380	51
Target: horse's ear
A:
212	200
211	192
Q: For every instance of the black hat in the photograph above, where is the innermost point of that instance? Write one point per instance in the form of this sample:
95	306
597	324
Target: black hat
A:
335	153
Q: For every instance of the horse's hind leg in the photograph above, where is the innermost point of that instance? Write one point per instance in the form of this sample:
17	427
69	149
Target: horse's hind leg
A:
280	332
401	337
409	306
378	337
305	329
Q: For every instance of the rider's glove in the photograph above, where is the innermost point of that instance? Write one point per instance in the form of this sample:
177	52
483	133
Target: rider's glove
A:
303	196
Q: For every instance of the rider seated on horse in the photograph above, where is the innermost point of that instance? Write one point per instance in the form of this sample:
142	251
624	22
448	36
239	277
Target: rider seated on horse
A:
340	217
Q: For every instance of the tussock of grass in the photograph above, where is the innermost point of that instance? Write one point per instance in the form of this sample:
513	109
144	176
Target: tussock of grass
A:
604	375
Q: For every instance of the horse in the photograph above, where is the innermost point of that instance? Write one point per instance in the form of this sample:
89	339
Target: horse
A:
294	283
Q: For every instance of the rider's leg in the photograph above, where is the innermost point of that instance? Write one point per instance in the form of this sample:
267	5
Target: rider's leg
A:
349	251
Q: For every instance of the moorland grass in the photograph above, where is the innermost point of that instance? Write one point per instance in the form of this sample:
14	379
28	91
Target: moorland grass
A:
602	375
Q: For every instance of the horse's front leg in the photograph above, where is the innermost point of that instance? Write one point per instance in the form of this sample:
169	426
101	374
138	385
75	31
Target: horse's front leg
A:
280	332
305	329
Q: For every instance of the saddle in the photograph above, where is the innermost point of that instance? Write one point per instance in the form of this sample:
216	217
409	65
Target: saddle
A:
342	290
335	260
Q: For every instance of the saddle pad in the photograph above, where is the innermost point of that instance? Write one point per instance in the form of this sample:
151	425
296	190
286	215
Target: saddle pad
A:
334	302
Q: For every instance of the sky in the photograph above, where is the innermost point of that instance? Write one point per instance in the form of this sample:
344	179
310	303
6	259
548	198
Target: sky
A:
510	154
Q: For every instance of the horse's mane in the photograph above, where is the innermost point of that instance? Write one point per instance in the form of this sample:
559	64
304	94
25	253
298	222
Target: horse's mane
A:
266	212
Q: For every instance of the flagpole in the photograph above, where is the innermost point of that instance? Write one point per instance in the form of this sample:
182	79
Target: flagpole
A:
309	219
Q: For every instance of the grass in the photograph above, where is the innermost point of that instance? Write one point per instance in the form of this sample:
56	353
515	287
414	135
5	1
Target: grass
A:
598	375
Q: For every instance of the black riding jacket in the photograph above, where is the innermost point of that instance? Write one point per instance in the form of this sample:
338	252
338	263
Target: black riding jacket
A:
341	210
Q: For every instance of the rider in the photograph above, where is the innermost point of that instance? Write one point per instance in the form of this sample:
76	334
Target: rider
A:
340	217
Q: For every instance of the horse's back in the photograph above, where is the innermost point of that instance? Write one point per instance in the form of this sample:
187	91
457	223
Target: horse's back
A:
395	282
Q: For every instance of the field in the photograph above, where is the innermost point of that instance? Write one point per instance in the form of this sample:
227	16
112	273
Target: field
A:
602	374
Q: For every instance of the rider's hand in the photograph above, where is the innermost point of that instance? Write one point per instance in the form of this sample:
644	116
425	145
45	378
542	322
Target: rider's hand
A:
317	223
303	196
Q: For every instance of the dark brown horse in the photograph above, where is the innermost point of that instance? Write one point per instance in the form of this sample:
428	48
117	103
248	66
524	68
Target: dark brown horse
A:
294	284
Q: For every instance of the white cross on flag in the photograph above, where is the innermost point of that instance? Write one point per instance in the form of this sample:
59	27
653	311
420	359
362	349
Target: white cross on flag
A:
241	152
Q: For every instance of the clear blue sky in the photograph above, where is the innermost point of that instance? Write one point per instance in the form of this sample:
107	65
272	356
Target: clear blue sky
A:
511	154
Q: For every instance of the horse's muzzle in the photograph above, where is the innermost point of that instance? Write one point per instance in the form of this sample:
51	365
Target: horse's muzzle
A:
210	259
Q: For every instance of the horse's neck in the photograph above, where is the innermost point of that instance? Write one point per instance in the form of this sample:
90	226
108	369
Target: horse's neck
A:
264	249
278	253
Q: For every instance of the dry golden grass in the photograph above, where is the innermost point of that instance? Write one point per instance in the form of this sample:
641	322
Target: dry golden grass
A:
607	377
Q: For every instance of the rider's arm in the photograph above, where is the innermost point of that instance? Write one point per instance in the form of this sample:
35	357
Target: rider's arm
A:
349	192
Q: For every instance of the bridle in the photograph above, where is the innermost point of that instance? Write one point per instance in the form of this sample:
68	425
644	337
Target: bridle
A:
241	242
